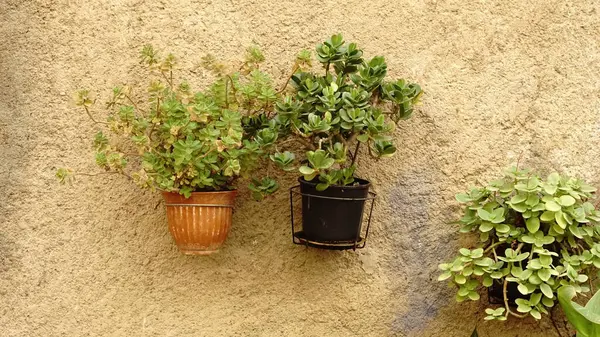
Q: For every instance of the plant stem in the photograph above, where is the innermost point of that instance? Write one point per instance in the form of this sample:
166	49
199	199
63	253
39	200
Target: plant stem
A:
167	79
294	69
135	105
327	68
92	118
226	93
355	154
492	246
508	311
303	139
504	289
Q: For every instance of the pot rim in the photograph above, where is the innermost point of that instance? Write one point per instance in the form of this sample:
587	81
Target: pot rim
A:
204	192
360	186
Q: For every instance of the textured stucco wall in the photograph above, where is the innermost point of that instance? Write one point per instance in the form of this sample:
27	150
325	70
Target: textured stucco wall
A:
501	78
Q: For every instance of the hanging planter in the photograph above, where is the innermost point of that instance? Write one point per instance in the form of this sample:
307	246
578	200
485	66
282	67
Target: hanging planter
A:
199	224
192	146
333	114
333	218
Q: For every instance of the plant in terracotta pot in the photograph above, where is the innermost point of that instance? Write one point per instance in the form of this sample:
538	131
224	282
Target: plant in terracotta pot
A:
332	114
534	236
192	146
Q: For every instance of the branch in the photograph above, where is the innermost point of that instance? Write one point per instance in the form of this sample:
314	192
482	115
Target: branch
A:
508	311
92	118
504	288
135	105
294	69
492	246
355	154
166	78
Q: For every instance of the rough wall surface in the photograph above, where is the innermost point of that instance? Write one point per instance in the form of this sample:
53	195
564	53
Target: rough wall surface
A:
501	78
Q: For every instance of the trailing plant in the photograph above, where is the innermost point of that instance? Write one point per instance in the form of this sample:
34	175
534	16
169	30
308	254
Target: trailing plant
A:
178	140
585	319
535	234
331	113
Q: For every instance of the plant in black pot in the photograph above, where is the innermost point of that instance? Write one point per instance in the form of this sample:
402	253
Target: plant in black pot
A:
334	114
535	236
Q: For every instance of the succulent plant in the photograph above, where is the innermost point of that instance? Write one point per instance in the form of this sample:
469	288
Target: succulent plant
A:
179	140
535	234
331	114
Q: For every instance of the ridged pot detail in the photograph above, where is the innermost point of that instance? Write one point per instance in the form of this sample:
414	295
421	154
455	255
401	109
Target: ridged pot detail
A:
199	224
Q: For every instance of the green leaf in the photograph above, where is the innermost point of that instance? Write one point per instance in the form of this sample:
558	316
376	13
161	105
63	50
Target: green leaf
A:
533	224
586	320
464	252
547	216
306	170
567	200
552	206
560	220
444	276
519	198
521	208
523	289
486	226
322	187
473	296
459	279
536	314
363	138
546	290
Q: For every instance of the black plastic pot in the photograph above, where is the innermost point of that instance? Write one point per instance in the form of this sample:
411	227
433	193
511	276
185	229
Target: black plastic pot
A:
332	215
496	293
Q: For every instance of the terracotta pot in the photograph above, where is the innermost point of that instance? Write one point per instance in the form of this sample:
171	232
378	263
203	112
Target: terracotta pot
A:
200	223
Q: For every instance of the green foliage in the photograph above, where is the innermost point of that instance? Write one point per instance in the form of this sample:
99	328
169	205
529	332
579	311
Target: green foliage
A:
585	319
263	187
183	141
332	114
538	234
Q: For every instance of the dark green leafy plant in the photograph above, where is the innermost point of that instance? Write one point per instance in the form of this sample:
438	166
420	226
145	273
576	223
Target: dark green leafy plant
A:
331	114
585	319
178	140
537	234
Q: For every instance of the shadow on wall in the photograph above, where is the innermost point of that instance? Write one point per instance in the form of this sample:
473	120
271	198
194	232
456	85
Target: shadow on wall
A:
8	259
418	245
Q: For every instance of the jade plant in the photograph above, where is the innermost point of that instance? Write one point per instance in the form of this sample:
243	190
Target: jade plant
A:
534	234
168	137
331	113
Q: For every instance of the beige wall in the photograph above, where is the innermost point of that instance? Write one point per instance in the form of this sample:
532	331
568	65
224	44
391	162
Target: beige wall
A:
501	78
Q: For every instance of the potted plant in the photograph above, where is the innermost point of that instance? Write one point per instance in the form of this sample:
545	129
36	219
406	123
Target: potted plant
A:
331	114
535	236
192	146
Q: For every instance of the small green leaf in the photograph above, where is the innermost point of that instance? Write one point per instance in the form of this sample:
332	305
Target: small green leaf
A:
546	290
547	216
362	138
533	224
306	170
567	200
552	206
517	199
